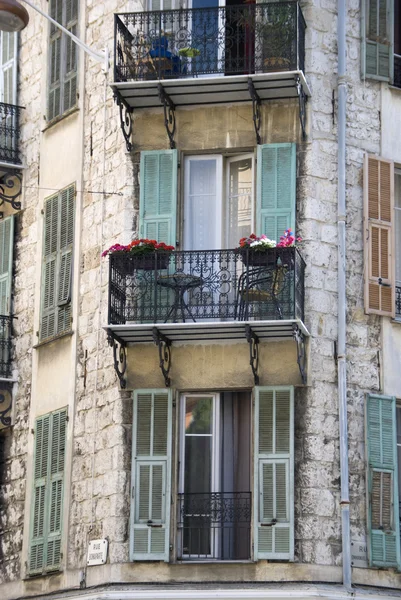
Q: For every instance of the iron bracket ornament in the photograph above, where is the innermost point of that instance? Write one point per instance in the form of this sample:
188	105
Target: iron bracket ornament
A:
256	103
5	405
169	114
302	107
164	345
11	188
125	120
253	342
301	351
119	357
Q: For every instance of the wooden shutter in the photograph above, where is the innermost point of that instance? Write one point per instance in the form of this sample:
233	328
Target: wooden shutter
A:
47	498
65	259
158	195
151	473
55	54
274	473
70	56
276	189
6	263
377	39
378	233
57	263
383	508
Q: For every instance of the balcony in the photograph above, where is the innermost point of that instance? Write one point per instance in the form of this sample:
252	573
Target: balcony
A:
195	55
10	135
5	346
210	293
214	526
398	302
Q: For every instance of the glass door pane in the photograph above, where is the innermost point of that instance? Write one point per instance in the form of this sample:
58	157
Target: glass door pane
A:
397	204
198	476
202	203
238	223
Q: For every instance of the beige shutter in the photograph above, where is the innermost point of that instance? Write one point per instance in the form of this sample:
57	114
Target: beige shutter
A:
378	183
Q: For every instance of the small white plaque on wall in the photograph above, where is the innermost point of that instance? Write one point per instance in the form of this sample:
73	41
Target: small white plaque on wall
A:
97	552
359	554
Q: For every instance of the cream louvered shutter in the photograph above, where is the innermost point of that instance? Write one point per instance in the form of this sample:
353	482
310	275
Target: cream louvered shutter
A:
151	473
378	236
274	473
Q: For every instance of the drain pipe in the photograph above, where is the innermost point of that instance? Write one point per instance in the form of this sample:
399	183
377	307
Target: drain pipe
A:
342	307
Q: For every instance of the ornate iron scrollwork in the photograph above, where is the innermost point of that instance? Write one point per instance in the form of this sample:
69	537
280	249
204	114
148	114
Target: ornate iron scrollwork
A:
164	346
11	188
125	120
302	107
169	114
256	102
120	358
5	405
301	351
253	342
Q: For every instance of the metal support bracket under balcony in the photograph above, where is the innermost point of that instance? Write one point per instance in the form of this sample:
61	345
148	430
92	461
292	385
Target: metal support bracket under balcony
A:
119	357
301	351
11	188
164	345
169	114
256	103
253	341
302	106
125	119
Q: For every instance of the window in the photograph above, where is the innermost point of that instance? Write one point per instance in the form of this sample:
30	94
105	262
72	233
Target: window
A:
62	90
382	443
57	264
215	503
47	493
8	78
381	42
218	204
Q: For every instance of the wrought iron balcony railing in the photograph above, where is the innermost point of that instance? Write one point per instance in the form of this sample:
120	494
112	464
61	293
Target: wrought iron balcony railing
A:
215	525
212	285
10	133
5	346
397	70
229	40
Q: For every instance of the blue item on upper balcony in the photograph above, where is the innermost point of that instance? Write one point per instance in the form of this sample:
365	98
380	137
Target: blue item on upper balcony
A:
160	50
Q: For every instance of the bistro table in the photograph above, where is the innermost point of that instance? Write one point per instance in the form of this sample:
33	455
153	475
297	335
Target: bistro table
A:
179	283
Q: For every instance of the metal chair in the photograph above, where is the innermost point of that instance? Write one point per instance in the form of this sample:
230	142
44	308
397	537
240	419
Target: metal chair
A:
257	287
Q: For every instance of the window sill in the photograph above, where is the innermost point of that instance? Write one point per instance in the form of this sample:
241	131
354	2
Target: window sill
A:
54	339
394	87
396	320
213	561
56	120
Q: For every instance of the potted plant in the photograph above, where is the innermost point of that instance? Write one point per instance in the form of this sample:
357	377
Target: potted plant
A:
141	253
257	250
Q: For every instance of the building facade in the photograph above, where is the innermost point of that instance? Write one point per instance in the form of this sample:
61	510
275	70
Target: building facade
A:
195	415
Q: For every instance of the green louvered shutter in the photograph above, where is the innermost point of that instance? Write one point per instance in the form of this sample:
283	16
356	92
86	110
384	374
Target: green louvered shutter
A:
6	263
383	508
47	499
151	473
48	326
55	489
276	189
158	195
39	508
55	75
70	56
57	264
274	473
65	259
377	39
